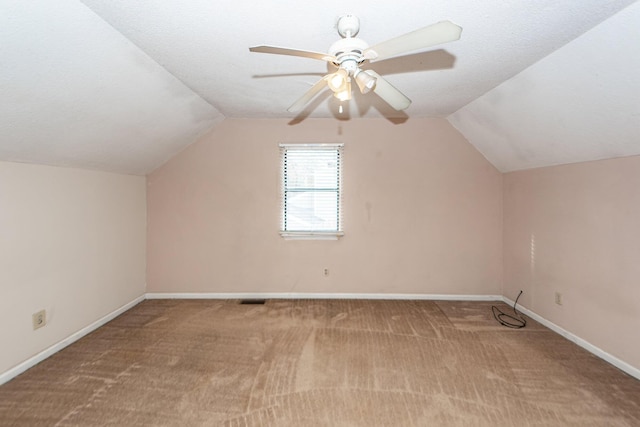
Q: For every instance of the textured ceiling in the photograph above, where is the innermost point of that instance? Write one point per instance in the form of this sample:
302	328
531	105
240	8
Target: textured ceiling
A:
578	104
76	93
205	44
122	86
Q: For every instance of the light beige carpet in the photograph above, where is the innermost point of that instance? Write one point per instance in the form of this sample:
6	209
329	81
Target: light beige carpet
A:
320	363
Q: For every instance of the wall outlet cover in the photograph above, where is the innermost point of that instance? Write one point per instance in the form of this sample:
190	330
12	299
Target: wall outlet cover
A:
558	298
39	319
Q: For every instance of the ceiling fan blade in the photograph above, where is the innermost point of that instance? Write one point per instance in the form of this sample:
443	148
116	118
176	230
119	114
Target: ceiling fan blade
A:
308	96
442	32
388	93
293	52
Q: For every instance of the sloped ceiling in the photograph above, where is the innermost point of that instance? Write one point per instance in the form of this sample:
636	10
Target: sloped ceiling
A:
122	86
77	93
580	103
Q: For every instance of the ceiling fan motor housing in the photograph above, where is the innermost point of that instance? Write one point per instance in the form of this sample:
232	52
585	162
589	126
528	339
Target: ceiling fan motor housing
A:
348	51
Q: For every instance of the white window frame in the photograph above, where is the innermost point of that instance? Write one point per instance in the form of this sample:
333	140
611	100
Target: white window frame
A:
311	235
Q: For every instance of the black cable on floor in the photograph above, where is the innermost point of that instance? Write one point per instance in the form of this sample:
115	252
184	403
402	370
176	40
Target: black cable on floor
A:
515	322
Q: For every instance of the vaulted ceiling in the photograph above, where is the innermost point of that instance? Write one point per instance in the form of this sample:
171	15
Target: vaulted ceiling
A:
121	86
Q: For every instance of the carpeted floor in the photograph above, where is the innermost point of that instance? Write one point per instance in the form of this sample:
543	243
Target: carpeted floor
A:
320	363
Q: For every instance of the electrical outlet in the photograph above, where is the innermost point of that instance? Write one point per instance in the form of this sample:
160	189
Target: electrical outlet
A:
326	271
39	319
558	298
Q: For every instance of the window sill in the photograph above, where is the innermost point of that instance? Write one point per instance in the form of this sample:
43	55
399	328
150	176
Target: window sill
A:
311	235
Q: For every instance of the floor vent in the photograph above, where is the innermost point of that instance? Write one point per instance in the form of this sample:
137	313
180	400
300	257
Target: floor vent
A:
252	301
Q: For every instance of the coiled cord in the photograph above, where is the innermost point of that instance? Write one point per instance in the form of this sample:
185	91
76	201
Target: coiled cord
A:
515	321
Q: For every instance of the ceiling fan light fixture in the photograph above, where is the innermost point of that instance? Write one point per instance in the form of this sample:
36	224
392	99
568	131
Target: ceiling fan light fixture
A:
344	94
338	80
365	81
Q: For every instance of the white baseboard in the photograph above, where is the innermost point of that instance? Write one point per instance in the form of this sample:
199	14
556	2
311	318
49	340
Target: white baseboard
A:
18	369
285	295
620	364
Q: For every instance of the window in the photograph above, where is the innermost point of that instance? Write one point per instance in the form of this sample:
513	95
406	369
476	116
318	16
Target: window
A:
311	191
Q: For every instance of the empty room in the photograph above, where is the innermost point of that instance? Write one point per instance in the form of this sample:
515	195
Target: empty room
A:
416	213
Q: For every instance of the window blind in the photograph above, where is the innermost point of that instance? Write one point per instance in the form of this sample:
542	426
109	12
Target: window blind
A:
311	187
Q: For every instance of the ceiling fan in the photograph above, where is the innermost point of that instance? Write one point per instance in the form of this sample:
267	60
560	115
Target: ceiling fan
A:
350	52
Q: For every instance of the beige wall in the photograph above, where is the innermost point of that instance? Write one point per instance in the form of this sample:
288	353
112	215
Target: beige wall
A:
422	213
71	242
575	229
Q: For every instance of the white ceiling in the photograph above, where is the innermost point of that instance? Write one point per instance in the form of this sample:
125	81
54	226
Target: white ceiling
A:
578	104
76	93
122	86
